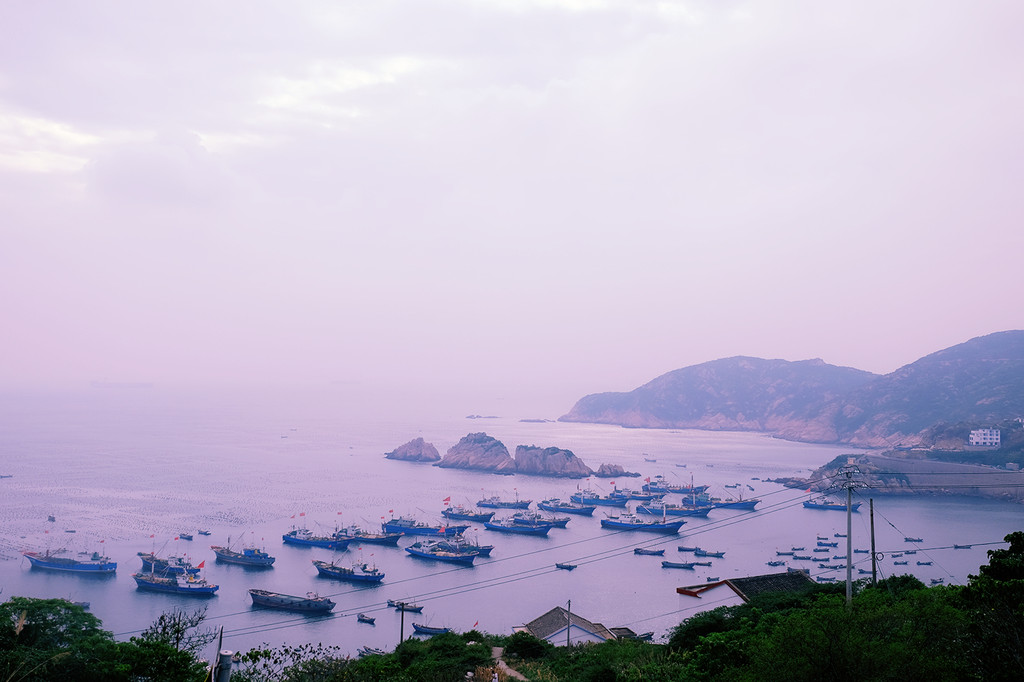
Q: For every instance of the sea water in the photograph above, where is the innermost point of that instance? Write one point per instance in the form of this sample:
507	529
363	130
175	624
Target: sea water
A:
130	469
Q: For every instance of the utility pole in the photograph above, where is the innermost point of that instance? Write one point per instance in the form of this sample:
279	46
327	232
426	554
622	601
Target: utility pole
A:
874	556
848	471
401	626
568	627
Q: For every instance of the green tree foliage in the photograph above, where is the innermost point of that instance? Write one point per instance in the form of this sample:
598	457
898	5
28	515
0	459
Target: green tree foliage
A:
53	639
993	602
180	629
527	647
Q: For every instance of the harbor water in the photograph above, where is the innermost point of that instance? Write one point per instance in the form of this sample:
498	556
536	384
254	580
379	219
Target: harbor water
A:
128	470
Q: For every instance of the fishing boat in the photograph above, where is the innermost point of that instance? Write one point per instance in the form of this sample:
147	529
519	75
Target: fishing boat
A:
460	513
363	618
203	532
183	583
684	548
434	550
365	651
924	563
913	540
633	522
249	556
702	563
173	565
311	603
590	498
461	543
556	505
778	553
777	563
94	563
529	518
955	546
358	573
185	536
414	527
739	503
496	502
703	552
358	535
427	630
826	543
565	567
506	526
649	552
661	485
900	563
666	509
802	557
305	537
825	503
636	495
678	564
404	606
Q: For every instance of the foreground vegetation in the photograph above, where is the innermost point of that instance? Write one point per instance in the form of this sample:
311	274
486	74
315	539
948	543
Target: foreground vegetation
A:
896	630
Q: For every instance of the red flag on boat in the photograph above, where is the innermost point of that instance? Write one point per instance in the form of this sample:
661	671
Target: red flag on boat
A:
648	479
339	513
175	537
447	499
201	563
476	623
102	541
391	511
302	513
613	482
153	536
45	532
293	516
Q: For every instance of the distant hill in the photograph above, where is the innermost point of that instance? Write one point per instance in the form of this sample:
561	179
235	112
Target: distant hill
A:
980	381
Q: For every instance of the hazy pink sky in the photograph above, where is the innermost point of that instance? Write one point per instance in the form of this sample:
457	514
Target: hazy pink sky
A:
543	198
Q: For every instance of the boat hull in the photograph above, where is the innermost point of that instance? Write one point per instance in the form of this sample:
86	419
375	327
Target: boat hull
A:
425	530
355	574
426	630
154	583
287	602
516	529
464	558
656	527
573	508
98	566
335	544
250	558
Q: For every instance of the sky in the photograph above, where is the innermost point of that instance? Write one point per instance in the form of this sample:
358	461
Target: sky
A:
529	198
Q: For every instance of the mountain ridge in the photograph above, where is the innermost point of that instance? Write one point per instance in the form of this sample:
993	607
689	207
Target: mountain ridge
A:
981	379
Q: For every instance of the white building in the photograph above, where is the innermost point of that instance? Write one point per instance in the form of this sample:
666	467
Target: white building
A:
984	437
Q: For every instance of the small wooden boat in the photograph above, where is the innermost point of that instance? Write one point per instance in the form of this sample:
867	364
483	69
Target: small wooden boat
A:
427	630
203	532
363	618
913	540
185	536
961	546
684	548
565	567
370	651
649	552
678	564
704	552
404	606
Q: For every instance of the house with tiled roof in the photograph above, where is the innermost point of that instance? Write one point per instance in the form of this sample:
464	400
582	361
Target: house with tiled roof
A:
736	591
561	627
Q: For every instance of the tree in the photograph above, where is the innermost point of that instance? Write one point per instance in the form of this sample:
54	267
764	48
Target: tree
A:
180	630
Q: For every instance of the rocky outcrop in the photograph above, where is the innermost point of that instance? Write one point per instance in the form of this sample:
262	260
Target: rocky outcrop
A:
416	450
614	471
557	462
480	452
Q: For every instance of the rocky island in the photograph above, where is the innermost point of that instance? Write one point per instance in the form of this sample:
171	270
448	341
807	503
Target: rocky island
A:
480	452
416	450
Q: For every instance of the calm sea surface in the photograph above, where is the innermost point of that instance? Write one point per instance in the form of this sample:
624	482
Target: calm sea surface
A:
129	469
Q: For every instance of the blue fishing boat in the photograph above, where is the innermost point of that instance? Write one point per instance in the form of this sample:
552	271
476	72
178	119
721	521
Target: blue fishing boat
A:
633	522
433	550
565	567
461	543
414	527
649	552
739	503
427	630
498	503
363	618
93	563
667	509
506	526
360	536
460	513
358	573
305	537
249	556
311	603
589	497
556	505
825	503
172	565
528	518
185	536
183	583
